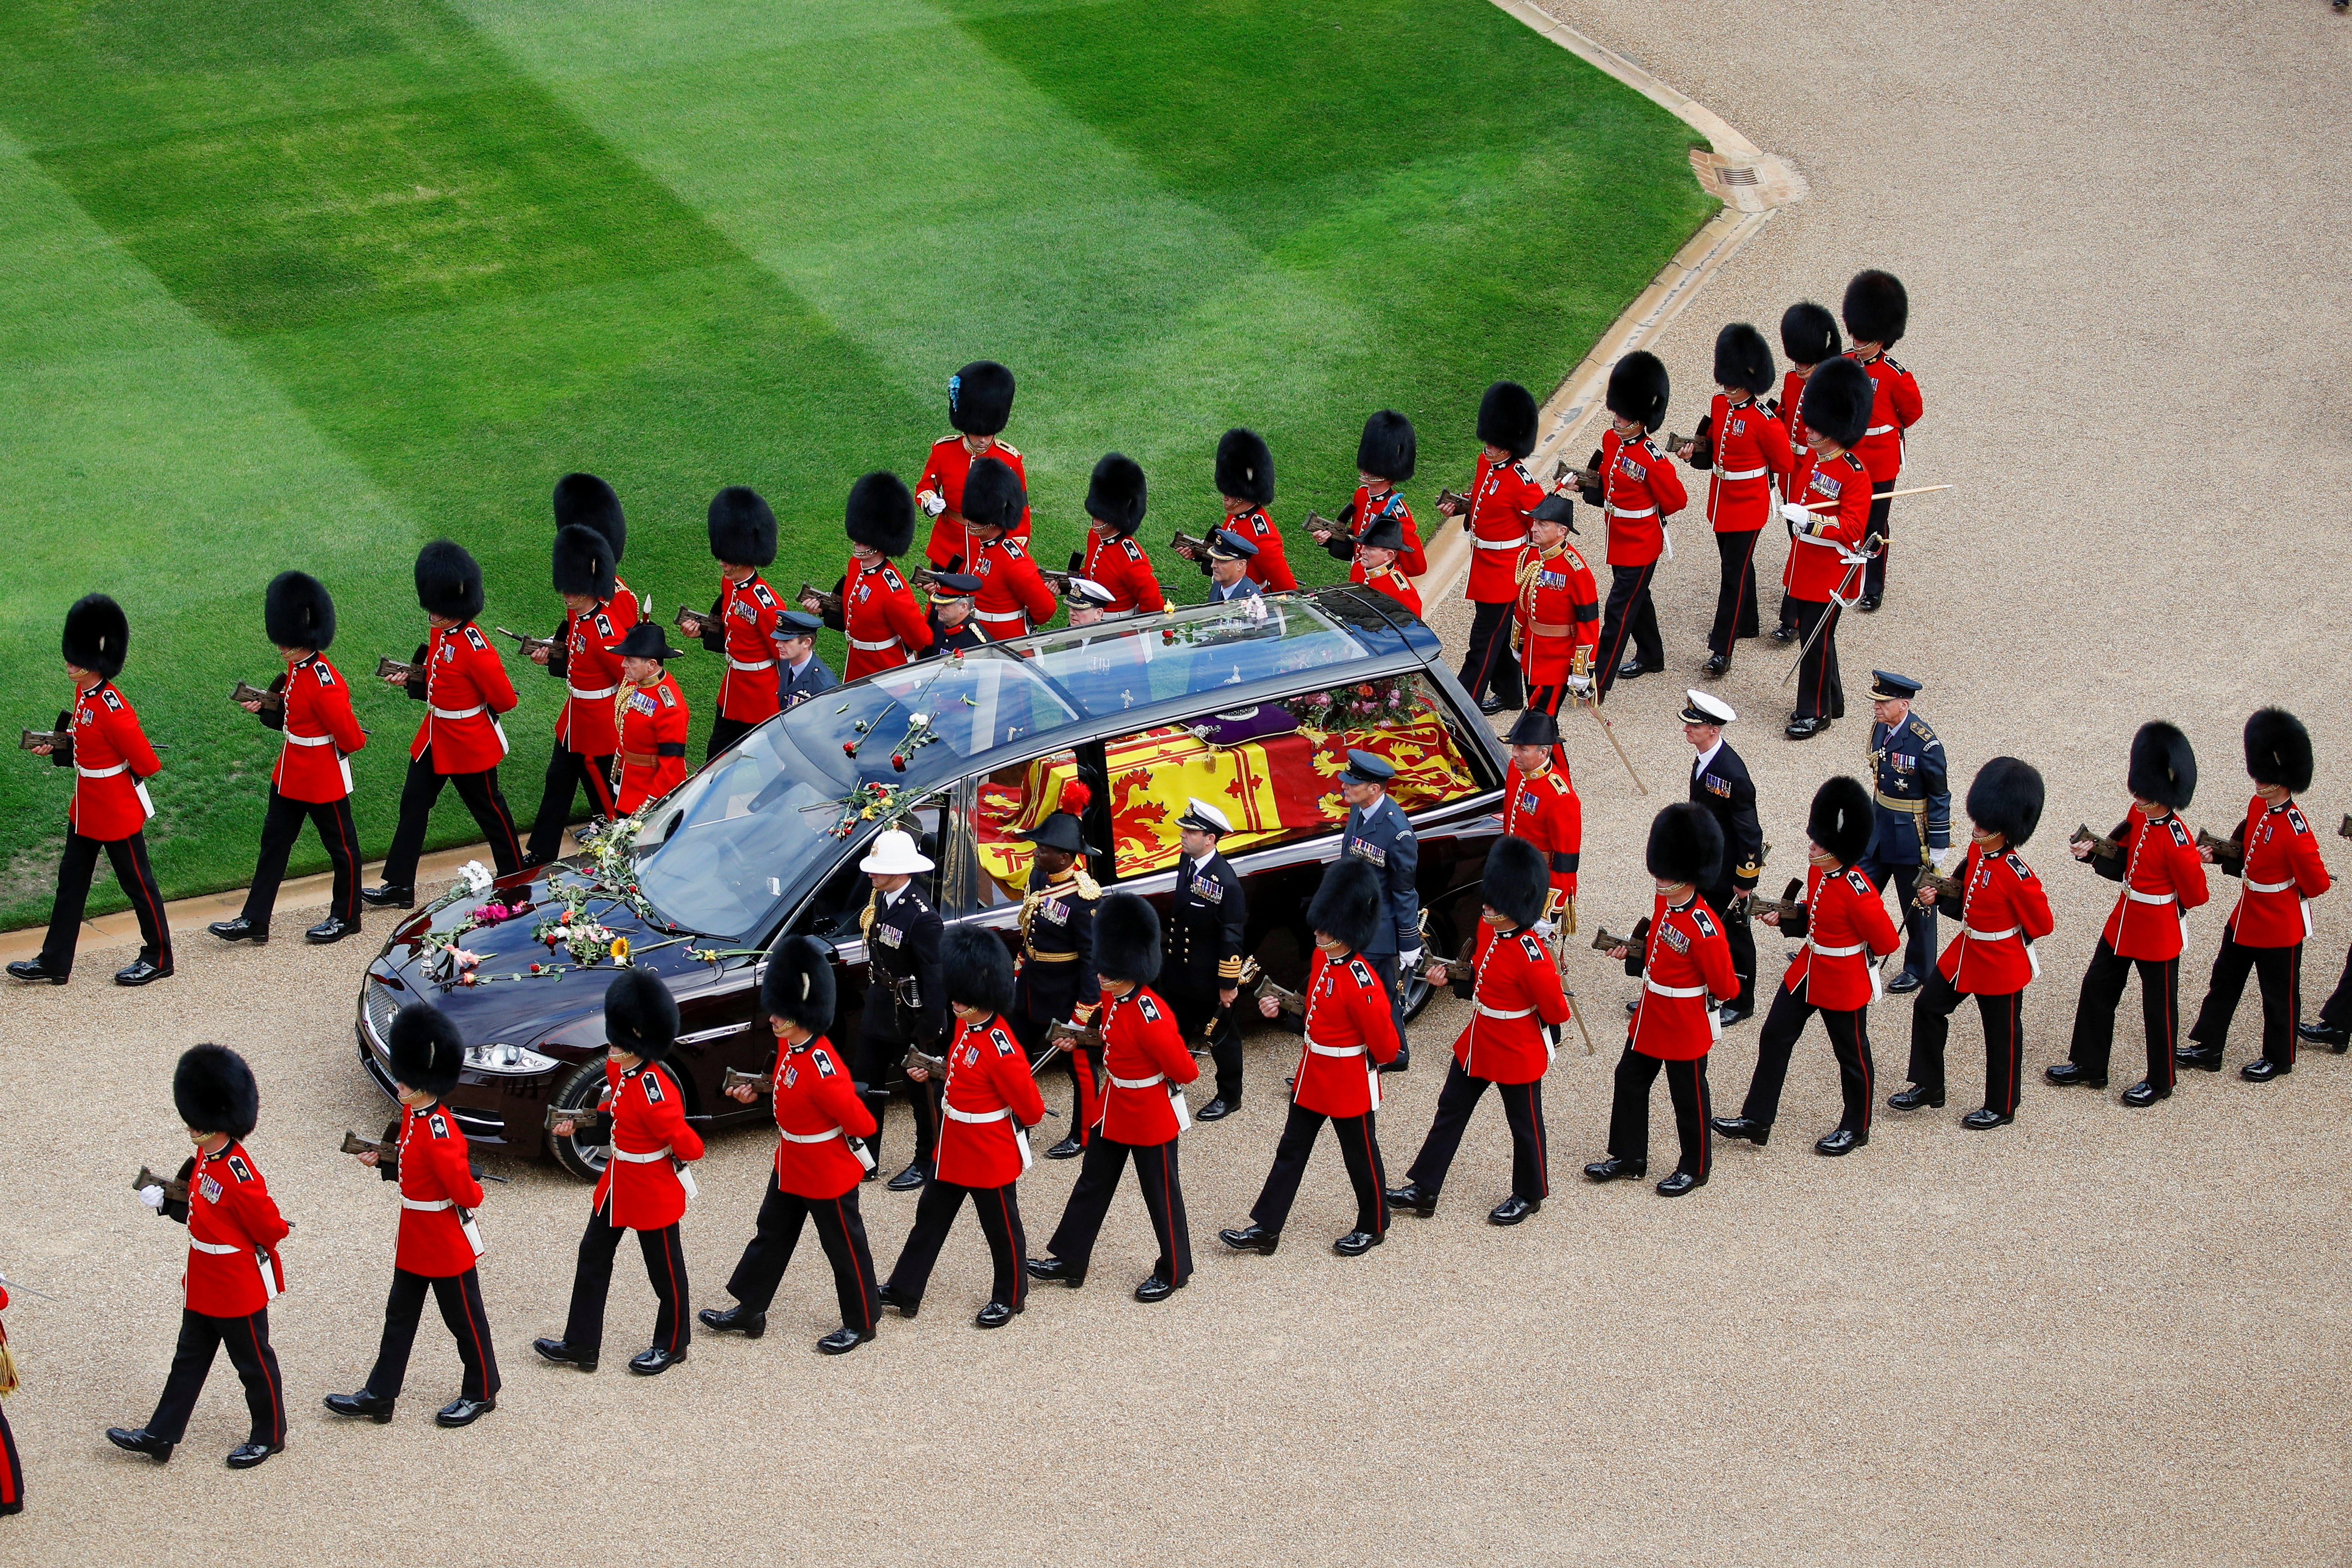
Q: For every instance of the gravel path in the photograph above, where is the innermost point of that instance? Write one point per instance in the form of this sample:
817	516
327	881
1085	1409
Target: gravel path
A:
2099	1336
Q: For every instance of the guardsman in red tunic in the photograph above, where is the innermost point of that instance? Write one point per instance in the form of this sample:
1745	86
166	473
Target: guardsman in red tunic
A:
12	1468
585	738
1518	1008
462	681
1540	806
438	1238
1828	529
111	763
1140	1112
1245	483
2277	856
2164	879
653	719
820	1159
1809	336
980	402
1876	310
1385	456
1835	973
1683	963
1349	1037
1637	489
1743	448
1115	502
2002	912
1013	599
234	1272
1376	557
878	615
585	499
313	775
645	1184
743	620
1556	619
1501	497
991	1101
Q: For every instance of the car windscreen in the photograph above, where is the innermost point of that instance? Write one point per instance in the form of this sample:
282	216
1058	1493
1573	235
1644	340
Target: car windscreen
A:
1114	666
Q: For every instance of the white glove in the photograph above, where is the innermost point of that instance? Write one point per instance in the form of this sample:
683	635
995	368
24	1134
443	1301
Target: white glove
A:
1409	960
1544	929
1948	858
933	503
1580	684
153	1197
1799	518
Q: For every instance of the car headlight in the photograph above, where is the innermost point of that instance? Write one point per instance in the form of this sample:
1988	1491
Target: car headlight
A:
514	1061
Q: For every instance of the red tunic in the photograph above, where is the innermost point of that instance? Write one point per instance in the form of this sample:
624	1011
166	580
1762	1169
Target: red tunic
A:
1269	568
1685	965
320	731
1791	413
1542	807
747	612
1351	1030
643	1183
1640	491
817	1112
435	1181
1120	564
1142	1055
111	763
653	742
991	1096
1846	934
1751	447
1013	599
592	677
1516	1004
1361	512
1557	612
2163	880
1895	407
232	1224
1501	496
2003	908
466	688
943	476
2283	872
884	627
1818	561
1395	585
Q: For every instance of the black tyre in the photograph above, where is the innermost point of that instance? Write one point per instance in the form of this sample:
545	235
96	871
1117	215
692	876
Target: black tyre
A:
580	1090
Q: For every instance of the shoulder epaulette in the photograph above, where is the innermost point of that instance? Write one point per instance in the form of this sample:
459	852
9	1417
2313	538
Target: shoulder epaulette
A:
1143	1004
824	1060
1702	919
2180	833
437	1124
669	693
759	591
1134	551
2294	817
997	1037
1007	447
1533	948
2024	872
652	1080
1860	883
1924	732
891	579
107	695
474	636
239	1169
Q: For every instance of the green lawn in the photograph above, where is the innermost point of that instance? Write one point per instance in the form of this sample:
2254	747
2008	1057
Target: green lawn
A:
307	286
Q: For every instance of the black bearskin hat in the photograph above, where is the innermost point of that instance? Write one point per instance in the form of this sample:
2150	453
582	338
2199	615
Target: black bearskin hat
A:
1347	904
640	1014
1842	820
993	497
742	528
976	969
1876	309
1517	880
1507	418
798	986
2163	766
1127	940
214	1092
97	634
584	561
588	500
881	514
448	581
1743	359
2006	798
1387	447
1685	846
426	1048
980	398
1638	389
1115	494
1809	334
2278	750
296	611
1244	467
1837	400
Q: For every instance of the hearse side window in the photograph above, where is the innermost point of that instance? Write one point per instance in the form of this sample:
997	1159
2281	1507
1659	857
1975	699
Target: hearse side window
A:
834	912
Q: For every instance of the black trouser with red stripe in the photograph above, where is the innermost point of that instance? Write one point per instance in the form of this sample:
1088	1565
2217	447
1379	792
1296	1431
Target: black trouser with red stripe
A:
480	792
998	1210
1735	598
459	1297
1489	662
1359	1147
1874	576
2004	1031
1821	694
2279	972
129	858
1849	1032
1163	1195
12	1470
1522	1109
281	824
1629	616
2095	1012
592	1280
247	1340
567	770
1629	1109
840	1230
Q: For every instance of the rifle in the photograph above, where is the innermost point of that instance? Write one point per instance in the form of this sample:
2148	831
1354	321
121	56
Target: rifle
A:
2230	848
54	737
2104	847
1057	580
915	1057
527	646
1942	887
387	1155
1458	498
578	1115
682	617
1257	981
1061	1036
1189	548
1785	906
1323	528
927	577
174	1190
827	603
735	1078
391	670
241	692
1603	939
1678	446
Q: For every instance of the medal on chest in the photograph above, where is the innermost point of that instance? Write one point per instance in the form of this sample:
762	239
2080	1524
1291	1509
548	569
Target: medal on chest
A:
210	1186
1674	939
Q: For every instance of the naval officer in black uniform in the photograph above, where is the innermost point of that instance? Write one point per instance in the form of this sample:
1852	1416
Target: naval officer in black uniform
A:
1719	782
905	1005
1203	967
1915	815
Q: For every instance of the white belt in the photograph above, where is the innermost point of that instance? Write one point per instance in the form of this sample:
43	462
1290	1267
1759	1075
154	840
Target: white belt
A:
660	1154
827	1136
1833	951
739	664
294	739
1498	1013
2135	895
1745	474
456	712
1673	990
1002	614
99	772
2270	886
590	696
885	644
999	1114
1335	1050
219	1248
409	1202
1613	510
1878	429
1519	543
1158	1077
2005	933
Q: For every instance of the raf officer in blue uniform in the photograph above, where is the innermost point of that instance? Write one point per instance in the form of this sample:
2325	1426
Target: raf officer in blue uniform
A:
1915	815
1378	833
800	674
1228	563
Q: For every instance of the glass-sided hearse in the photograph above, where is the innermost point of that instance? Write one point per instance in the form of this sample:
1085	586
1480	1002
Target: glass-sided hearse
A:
1252	705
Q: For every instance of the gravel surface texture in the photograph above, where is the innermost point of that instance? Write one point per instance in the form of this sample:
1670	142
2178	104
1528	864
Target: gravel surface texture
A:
2101	1335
